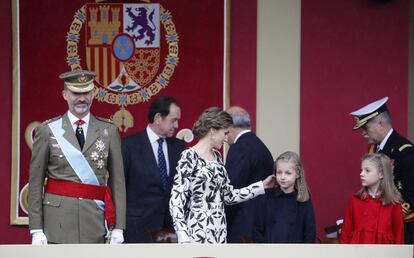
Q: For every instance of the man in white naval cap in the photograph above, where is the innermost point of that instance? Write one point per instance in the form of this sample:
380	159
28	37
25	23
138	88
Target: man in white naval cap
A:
76	180
375	122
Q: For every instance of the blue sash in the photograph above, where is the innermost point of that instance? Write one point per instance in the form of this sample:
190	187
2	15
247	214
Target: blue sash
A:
75	158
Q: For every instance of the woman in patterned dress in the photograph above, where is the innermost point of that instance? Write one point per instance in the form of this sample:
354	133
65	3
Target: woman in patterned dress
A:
201	186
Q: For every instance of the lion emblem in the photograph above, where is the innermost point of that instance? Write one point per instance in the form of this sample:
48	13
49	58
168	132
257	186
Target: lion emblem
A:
142	20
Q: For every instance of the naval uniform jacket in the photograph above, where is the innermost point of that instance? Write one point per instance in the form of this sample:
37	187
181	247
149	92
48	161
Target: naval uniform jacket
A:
401	151
147	202
67	219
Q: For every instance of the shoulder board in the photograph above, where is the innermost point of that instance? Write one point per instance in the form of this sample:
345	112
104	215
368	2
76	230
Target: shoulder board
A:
51	120
405	146
104	119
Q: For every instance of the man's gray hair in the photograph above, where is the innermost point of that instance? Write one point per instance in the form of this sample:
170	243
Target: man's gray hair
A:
384	116
241	120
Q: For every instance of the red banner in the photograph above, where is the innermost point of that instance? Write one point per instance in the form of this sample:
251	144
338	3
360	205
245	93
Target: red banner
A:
139	50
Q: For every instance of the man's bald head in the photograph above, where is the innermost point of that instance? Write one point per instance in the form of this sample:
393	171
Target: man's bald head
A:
241	122
241	118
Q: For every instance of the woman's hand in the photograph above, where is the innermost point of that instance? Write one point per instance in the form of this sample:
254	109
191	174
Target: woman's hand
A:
269	182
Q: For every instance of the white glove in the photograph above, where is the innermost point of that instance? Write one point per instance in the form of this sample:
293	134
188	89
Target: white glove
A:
39	238
117	236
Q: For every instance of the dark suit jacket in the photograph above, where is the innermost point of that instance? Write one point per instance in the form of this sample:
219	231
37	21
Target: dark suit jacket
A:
401	151
147	202
248	161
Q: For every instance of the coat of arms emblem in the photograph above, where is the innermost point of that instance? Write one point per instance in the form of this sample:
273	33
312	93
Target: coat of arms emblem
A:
124	46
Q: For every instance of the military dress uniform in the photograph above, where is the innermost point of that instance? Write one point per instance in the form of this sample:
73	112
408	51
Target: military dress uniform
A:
401	152
70	219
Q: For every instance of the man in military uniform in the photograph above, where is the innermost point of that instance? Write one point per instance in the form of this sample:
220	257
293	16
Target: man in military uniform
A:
76	153
375	122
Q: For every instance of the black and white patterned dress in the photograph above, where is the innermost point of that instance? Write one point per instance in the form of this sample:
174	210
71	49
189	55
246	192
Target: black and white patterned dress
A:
200	190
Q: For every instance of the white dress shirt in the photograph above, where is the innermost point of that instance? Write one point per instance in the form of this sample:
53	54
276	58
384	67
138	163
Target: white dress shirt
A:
241	133
153	137
384	141
84	127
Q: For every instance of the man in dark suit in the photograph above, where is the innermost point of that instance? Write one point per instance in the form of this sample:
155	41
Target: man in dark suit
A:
248	161
375	122
150	160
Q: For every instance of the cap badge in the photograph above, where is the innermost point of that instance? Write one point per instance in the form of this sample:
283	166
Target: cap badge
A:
82	78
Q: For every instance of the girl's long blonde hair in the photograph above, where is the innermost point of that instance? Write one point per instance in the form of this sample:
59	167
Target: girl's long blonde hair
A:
300	184
387	188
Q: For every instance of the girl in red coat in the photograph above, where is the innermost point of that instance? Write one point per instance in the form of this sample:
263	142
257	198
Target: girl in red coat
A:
374	213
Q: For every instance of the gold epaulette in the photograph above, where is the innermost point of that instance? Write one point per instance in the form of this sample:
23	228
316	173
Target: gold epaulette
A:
409	216
104	119
51	120
405	146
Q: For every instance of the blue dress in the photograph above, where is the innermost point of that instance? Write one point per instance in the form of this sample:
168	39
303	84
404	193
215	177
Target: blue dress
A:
280	218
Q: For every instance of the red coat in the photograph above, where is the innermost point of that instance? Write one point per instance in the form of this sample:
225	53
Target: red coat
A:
367	221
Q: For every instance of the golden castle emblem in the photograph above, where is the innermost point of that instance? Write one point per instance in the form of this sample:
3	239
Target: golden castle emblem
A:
103	31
